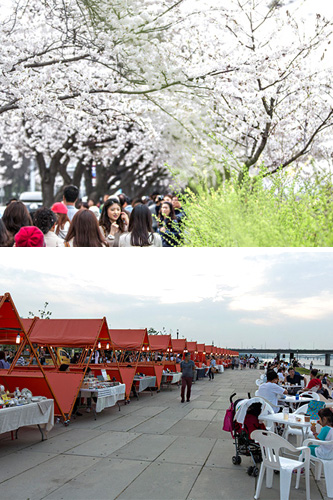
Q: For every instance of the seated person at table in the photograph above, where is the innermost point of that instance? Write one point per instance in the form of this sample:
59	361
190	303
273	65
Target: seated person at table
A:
280	376
314	383
325	434
294	377
271	391
3	362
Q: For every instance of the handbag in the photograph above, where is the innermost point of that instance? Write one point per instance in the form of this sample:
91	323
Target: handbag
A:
228	419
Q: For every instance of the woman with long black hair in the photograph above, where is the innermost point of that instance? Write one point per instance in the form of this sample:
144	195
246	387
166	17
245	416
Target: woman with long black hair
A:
15	216
113	222
168	226
84	231
4	235
140	230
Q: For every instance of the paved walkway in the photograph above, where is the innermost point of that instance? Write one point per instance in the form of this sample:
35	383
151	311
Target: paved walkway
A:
155	448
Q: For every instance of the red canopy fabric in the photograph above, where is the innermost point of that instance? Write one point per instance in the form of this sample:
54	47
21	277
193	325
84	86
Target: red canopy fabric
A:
178	345
131	340
160	342
26	322
208	349
201	347
69	332
10	321
191	346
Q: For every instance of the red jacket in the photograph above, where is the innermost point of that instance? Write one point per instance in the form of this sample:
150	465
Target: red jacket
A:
314	382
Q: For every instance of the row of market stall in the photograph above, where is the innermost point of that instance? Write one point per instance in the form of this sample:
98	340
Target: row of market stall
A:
123	356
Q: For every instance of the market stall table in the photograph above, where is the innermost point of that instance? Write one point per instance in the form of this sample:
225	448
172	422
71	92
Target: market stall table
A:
142	383
200	373
106	397
40	413
293	420
171	378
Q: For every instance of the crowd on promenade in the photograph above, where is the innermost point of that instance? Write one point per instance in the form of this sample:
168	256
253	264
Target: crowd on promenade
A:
283	378
155	221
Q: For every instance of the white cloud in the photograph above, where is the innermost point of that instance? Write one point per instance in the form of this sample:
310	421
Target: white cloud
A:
220	294
310	308
259	321
249	302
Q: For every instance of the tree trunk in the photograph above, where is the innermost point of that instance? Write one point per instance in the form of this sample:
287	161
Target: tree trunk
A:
47	180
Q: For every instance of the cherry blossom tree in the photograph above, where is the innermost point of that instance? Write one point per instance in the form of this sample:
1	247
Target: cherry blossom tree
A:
277	107
133	85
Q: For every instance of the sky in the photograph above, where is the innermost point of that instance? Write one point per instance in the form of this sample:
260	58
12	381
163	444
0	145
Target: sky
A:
239	298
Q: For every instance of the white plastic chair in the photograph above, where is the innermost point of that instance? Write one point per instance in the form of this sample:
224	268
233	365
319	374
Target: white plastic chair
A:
311	394
270	445
266	401
269	410
319	462
259	382
296	431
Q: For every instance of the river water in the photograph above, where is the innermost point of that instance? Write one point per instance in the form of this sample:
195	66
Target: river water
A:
305	360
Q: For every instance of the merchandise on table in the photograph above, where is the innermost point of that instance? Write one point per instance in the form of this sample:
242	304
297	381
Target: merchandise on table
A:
18	398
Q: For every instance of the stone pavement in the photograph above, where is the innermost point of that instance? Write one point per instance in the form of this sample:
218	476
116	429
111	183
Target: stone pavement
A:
155	448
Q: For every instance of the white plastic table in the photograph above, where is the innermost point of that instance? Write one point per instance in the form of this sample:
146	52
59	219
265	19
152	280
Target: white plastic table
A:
278	419
40	413
293	402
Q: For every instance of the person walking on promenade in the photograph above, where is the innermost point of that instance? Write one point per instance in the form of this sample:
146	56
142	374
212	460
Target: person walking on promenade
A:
212	368
187	367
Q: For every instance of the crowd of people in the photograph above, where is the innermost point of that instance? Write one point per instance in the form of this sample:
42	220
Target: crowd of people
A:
116	222
279	374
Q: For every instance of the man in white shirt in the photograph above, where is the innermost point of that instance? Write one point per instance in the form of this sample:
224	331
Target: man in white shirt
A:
271	391
251	361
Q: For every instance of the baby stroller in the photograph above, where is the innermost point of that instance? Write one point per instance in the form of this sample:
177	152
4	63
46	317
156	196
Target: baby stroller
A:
245	413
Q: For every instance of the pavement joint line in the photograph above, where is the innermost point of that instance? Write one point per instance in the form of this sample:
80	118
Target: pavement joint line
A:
68	481
201	469
9	478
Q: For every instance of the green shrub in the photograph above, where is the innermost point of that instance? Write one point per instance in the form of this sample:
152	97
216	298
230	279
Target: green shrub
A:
276	211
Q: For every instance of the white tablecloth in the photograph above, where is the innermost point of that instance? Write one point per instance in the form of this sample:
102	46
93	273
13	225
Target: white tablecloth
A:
105	397
143	383
171	378
41	413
